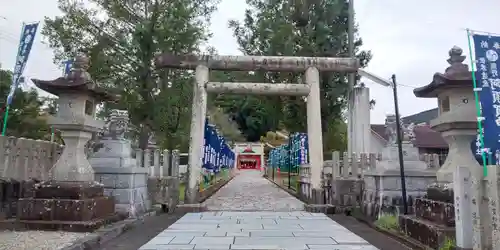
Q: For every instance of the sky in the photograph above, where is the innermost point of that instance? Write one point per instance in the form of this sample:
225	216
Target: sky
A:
410	39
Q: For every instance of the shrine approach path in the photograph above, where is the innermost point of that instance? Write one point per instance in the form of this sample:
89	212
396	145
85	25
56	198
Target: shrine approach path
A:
250	212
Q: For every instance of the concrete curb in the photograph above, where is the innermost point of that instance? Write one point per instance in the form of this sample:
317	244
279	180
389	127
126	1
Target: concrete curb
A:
107	233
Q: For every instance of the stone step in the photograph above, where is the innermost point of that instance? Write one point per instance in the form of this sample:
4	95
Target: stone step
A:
436	211
426	232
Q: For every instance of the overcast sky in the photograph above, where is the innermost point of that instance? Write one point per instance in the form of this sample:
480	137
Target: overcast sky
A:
408	38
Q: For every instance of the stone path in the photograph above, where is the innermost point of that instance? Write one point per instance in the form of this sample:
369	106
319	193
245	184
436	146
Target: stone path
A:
252	213
256	230
249	191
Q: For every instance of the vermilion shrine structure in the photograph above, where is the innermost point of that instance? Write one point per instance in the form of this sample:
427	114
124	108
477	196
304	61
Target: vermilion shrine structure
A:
202	64
249	155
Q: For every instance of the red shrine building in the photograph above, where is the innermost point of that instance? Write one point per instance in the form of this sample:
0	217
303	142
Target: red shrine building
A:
249	155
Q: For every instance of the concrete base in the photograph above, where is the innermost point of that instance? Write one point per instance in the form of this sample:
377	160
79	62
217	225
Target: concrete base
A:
319	208
191	208
128	186
382	192
317	196
68	206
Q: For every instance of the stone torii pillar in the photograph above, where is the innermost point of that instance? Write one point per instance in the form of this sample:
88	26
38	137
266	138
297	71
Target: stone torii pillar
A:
203	63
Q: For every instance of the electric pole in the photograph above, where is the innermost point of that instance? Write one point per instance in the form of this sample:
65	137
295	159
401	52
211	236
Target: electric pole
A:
351	79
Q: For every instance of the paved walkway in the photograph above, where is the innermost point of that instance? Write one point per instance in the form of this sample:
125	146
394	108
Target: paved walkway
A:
252	213
249	191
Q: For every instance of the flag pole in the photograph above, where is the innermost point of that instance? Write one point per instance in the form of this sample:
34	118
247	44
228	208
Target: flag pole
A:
478	109
7	106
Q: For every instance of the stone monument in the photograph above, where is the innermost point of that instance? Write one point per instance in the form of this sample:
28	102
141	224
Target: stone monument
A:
383	184
71	199
116	169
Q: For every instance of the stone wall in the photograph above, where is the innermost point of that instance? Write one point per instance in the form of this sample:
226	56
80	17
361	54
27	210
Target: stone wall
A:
24	159
366	182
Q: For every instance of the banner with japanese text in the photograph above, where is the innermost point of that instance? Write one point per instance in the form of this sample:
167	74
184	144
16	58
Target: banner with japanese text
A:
25	44
487	48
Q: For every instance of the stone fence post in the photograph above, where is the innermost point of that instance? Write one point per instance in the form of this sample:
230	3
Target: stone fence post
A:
164	168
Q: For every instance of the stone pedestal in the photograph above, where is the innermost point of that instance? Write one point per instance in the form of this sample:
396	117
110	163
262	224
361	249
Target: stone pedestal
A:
382	193
118	172
128	186
68	206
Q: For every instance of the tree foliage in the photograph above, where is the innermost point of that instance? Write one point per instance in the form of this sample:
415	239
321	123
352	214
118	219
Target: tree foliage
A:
293	28
122	38
26	118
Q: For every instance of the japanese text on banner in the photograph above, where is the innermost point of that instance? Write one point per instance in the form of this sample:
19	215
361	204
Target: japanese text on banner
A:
25	45
487	49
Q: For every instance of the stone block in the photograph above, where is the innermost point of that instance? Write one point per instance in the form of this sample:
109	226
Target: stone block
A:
128	195
107	180
319	208
439	212
130	180
65	210
117	149
191	208
426	232
69	206
390	183
318	196
68	190
440	192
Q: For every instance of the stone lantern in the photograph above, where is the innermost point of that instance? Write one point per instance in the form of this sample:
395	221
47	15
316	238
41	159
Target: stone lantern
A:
71	196
457	121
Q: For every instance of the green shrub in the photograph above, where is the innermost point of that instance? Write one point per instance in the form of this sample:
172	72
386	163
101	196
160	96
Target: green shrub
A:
388	222
448	244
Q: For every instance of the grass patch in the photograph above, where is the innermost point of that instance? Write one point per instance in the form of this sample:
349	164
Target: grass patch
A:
182	190
388	222
448	244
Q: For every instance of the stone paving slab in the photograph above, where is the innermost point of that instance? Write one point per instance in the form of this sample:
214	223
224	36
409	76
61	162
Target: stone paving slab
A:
249	191
295	230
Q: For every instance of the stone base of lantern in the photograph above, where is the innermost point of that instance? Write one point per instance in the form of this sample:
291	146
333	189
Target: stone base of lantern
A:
67	206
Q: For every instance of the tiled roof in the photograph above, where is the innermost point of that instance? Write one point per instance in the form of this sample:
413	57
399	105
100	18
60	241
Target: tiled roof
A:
379	129
425	137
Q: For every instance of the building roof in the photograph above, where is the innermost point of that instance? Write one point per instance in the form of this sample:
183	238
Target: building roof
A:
425	137
422	117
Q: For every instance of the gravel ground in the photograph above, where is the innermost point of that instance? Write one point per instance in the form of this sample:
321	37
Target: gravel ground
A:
249	191
37	240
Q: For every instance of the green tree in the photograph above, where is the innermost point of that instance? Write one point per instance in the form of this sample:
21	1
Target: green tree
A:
122	38
297	28
26	118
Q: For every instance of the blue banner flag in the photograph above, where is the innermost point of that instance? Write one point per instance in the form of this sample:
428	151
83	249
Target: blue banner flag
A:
487	49
68	64
26	42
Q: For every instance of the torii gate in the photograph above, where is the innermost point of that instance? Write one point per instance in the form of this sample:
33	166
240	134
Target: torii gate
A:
203	63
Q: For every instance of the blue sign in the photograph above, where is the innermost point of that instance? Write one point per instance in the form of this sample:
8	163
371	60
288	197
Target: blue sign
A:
68	64
23	52
487	49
